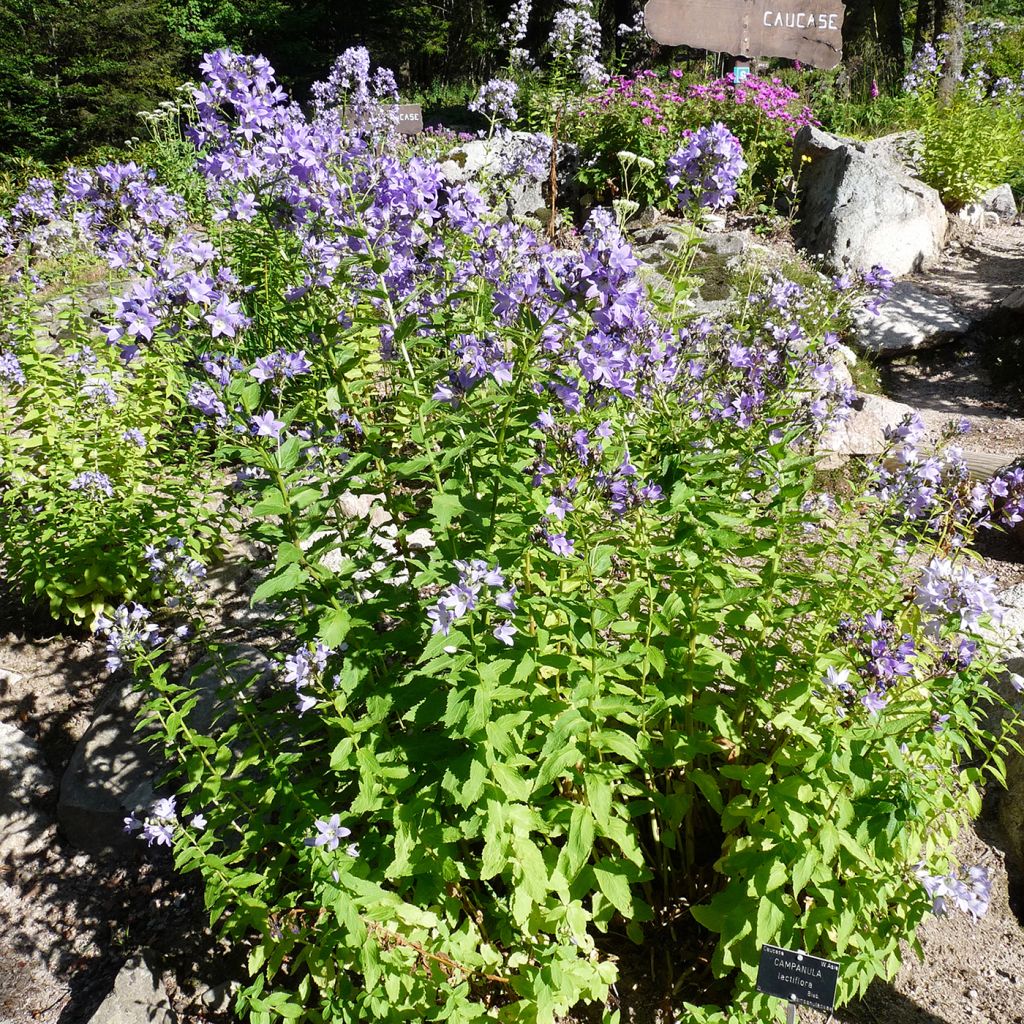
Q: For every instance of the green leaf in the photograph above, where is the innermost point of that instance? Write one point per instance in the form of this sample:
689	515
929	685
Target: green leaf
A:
334	626
291	577
770	916
612	881
444	508
580	843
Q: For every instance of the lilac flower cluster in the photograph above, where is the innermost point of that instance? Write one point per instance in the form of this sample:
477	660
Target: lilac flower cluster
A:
496	100
117	209
575	41
936	488
176	571
93	485
129	633
158	825
947	589
579	456
205	400
245	87
921	487
305	668
883	658
96	384
1006	496
160	822
705	172
923	72
11	373
367	100
968	891
279	366
478	583
524	154
476	359
182	291
513	31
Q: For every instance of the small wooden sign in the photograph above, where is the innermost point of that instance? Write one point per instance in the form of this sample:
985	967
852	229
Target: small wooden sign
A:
810	31
410	119
798	977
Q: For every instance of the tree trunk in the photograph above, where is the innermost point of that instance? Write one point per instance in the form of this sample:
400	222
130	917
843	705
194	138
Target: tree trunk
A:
924	24
873	44
950	18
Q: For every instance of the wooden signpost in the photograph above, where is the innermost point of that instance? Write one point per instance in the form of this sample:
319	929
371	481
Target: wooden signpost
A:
810	31
409	119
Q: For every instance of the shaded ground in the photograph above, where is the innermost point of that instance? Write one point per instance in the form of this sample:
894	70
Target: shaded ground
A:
69	921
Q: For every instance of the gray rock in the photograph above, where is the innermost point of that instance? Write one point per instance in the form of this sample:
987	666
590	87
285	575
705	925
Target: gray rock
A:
110	776
863	431
647	217
25	786
238	667
138	997
905	149
711	258
860	208
909	320
1000	201
1014	302
495	167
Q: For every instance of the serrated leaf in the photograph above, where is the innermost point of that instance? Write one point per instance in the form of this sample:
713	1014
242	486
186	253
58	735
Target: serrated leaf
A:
334	626
580	843
288	579
444	508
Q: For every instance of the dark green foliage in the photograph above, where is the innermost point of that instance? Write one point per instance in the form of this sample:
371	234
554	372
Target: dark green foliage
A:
74	73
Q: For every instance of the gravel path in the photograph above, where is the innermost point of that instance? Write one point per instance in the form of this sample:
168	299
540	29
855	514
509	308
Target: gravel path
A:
973	971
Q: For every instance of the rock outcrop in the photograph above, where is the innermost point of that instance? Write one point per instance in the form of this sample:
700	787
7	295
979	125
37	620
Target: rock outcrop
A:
138	998
909	319
860	207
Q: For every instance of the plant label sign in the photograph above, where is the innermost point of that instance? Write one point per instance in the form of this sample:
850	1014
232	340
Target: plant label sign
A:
410	118
798	977
810	31
409	122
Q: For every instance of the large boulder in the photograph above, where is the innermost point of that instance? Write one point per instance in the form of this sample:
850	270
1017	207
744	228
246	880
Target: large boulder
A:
138	998
26	786
909	319
1000	201
860	207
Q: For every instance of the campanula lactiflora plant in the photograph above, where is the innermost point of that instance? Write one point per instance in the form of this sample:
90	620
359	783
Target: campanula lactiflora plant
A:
566	649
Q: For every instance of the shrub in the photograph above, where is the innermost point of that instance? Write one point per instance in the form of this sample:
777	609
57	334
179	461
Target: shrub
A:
648	115
969	145
568	646
93	465
92	469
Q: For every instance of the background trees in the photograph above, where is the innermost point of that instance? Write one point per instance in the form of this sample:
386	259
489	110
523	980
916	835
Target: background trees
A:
74	73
